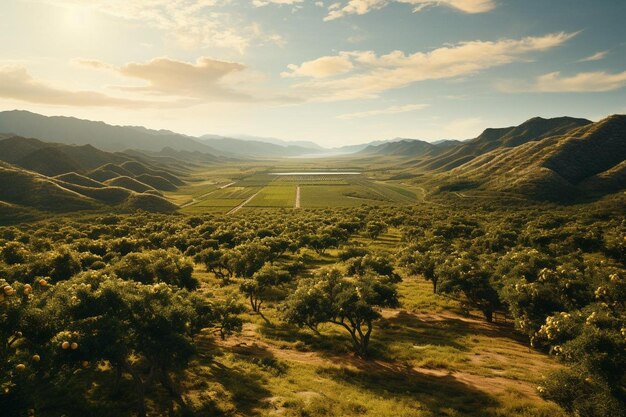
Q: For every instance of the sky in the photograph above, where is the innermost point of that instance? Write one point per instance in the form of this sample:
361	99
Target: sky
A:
336	72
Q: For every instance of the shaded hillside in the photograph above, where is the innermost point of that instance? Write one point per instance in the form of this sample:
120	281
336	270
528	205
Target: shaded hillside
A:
586	161
129	183
408	148
70	130
255	148
37	191
136	168
77	179
25	193
534	129
156	182
102	175
54	159
149	202
49	161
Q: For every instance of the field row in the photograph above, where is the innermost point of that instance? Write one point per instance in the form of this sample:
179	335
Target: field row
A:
265	191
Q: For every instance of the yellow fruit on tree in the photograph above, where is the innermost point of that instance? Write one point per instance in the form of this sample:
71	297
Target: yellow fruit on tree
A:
65	345
20	366
74	346
36	358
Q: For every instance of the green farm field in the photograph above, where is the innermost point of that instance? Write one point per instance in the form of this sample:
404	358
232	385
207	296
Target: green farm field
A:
257	188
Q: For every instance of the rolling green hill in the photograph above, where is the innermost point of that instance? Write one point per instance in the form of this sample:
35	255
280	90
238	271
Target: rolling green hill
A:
532	130
587	160
156	182
129	183
26	194
74	178
408	148
55	159
137	168
26	188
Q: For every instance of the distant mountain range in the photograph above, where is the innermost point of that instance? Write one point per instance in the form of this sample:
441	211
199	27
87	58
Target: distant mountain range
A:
255	148
408	148
91	164
73	131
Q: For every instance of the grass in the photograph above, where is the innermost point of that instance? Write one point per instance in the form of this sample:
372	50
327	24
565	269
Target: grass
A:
275	196
428	359
204	190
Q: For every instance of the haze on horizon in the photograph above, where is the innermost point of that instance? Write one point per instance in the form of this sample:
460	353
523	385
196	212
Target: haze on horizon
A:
335	73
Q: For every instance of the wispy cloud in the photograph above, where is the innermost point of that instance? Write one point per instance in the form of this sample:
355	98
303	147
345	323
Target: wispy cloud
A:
323	67
371	74
192	23
389	110
360	7
554	82
16	83
207	79
203	79
598	56
261	3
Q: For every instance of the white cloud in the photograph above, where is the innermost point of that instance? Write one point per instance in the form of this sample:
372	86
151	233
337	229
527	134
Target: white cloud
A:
598	56
192	23
584	82
16	83
323	67
204	79
361	7
261	3
389	110
371	74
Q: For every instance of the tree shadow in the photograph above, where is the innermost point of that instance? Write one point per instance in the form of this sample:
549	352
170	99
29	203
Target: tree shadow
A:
443	331
327	344
442	395
410	328
245	382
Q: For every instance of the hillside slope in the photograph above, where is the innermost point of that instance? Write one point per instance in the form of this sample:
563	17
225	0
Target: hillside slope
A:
254	148
26	192
89	163
534	129
70	130
586	161
408	148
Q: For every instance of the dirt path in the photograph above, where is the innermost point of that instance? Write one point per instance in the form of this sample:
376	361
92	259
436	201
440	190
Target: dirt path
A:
248	343
297	205
200	197
227	185
240	206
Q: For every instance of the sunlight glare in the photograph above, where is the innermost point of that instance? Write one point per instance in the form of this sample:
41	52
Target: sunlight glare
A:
78	18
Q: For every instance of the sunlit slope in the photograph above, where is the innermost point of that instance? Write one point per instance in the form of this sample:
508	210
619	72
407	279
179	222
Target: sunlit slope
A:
589	159
532	130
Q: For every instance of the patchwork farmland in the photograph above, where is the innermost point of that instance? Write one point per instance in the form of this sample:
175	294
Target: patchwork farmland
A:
279	190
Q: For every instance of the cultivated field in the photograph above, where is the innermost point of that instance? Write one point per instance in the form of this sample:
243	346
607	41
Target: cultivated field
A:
228	190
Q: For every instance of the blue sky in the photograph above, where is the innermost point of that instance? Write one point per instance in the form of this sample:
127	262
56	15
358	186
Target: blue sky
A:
333	72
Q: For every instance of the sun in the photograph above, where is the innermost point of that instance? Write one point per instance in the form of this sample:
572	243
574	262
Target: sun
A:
78	18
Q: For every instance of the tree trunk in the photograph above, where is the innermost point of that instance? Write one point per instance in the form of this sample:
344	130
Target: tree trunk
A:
488	315
140	390
173	391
